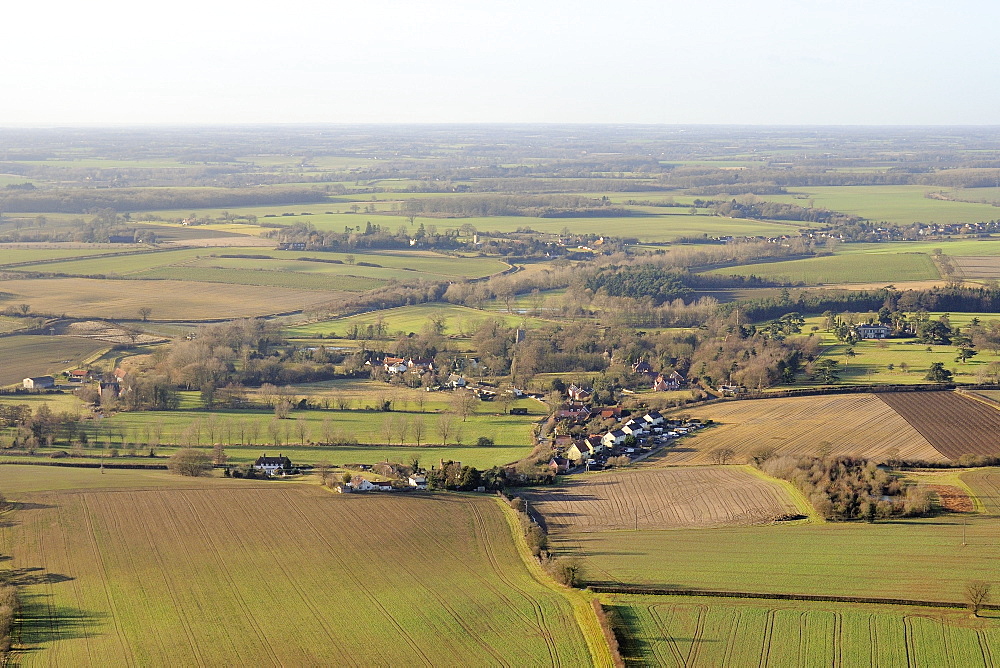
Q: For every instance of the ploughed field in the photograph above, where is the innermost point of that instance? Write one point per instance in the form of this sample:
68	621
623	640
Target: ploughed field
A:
667	498
851	424
954	424
688	631
150	569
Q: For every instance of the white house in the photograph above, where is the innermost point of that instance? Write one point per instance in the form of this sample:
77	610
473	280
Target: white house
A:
653	418
418	481
271	465
635	427
871	331
613	438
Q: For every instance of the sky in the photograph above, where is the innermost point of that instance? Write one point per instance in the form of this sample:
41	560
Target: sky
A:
771	62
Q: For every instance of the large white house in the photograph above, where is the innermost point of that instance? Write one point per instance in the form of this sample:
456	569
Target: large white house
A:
271	465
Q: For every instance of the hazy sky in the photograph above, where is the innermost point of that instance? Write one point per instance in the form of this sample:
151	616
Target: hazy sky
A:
578	61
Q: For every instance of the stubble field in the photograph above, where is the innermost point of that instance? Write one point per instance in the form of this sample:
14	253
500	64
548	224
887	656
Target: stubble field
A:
663	499
954	424
165	571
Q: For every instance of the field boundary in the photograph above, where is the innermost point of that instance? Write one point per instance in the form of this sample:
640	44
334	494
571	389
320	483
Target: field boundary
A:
84	465
829	598
799	499
583	611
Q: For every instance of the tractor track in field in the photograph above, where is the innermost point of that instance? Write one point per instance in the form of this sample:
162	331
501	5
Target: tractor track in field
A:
126	654
539	613
332	550
231	585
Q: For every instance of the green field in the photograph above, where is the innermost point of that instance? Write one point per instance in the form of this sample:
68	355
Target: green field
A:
25	356
901	205
155	570
695	631
920	559
458	321
848	268
17	253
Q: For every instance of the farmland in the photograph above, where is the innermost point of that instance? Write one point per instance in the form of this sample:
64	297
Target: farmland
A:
884	268
985	484
37	355
688	631
853	424
185	572
953	424
920	559
663	499
188	300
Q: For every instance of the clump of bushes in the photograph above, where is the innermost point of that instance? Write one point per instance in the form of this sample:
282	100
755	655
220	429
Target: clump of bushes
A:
190	462
847	488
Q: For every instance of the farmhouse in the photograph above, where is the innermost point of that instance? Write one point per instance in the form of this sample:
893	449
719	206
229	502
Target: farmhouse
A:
871	331
78	375
39	382
418	481
271	465
455	381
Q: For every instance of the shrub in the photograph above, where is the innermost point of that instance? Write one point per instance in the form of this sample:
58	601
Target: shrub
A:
190	462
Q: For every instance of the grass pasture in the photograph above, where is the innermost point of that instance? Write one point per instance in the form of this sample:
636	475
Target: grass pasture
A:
689	631
39	355
883	268
852	424
184	572
663	499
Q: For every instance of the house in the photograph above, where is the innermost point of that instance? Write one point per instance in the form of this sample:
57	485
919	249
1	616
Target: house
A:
660	384
613	438
420	366
635	427
871	331
359	484
455	381
563	441
418	481
394	364
669	382
271	465
382	486
78	375
578	451
595	442
119	374
578	393
653	418
573	412
559	465
642	366
731	390
612	412
39	382
292	245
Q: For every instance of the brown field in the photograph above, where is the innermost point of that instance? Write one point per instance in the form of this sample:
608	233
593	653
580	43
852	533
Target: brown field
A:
953	499
853	424
158	570
953	424
39	355
985	483
170	300
668	498
977	267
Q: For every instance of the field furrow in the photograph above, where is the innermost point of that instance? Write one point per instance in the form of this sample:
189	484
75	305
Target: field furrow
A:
954	424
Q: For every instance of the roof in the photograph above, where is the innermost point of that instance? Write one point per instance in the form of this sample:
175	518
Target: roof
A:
42	379
264	460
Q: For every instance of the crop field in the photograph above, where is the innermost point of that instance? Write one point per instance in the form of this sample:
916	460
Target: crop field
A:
849	268
170	300
971	267
985	484
10	324
458	320
921	559
901	205
37	355
953	424
186	573
689	631
41	252
663	499
852	424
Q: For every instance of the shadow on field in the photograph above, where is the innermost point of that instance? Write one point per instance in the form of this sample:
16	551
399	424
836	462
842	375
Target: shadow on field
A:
34	576
636	641
41	622
22	505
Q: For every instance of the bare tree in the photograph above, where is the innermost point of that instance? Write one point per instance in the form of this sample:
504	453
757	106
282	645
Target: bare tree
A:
145	312
421	401
418	429
388	428
464	403
445	422
722	455
977	593
303	429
